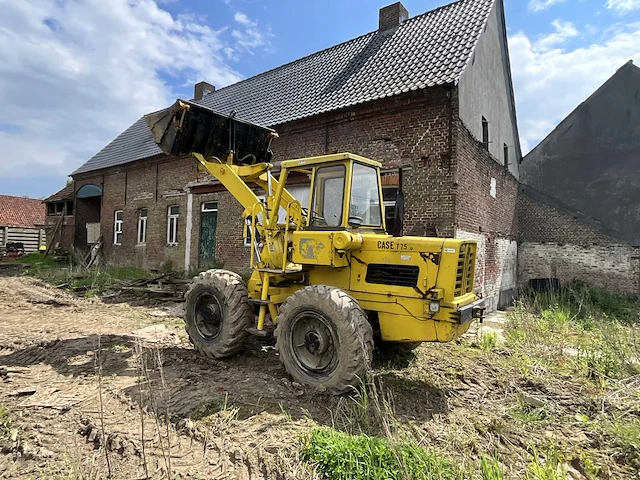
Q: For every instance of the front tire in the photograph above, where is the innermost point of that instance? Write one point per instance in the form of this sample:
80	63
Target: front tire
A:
217	313
324	338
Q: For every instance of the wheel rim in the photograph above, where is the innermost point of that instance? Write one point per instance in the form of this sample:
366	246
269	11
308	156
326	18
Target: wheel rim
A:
208	314
315	342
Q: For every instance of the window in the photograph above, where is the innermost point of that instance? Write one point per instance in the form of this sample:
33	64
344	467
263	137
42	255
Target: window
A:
328	196
117	228
172	225
485	133
389	196
56	208
209	207
142	226
365	196
505	150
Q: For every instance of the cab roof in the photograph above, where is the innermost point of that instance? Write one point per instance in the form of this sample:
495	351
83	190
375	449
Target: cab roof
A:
336	157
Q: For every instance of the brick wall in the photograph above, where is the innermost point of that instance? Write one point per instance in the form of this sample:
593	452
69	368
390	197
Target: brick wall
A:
486	195
418	131
230	249
411	130
542	219
153	184
558	243
613	267
65	233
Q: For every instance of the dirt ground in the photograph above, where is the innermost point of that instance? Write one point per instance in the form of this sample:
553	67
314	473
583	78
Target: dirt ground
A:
79	374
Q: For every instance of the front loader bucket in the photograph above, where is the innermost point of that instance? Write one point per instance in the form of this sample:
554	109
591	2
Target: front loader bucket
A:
187	127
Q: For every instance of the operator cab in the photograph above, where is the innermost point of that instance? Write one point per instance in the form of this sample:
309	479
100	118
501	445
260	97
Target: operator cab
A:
345	192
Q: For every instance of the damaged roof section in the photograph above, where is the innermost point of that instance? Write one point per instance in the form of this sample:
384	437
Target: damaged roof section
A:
424	51
65	194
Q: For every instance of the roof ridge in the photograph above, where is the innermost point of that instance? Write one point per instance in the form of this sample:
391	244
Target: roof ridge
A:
297	60
22	197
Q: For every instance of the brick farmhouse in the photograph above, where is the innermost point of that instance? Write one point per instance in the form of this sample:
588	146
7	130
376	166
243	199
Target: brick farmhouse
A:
431	94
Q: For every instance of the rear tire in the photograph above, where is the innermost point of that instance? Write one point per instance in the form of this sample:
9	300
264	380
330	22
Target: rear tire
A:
324	338
217	313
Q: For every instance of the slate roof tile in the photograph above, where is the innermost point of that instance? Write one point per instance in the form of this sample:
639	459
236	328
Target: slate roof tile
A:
426	50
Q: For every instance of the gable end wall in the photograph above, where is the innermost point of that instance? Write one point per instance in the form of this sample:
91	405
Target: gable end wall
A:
485	90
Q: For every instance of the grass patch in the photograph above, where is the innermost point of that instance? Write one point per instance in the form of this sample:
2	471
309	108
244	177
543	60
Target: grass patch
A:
490	469
35	258
9	434
489	340
626	437
546	465
6	422
585	303
579	331
92	281
337	455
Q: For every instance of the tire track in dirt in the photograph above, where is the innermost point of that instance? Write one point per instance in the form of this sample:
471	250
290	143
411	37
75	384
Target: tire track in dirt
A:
49	380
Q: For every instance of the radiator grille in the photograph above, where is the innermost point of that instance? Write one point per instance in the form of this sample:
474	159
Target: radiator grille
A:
464	275
400	275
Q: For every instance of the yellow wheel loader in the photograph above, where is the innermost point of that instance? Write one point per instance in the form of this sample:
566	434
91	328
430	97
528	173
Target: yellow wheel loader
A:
326	275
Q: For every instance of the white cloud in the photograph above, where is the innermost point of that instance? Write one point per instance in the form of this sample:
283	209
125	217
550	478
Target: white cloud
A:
74	74
564	31
550	82
623	6
538	5
249	36
242	19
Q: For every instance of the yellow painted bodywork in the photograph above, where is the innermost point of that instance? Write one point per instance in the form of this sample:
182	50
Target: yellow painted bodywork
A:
292	255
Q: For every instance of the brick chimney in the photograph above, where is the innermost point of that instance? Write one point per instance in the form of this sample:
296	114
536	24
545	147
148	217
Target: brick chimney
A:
392	16
201	89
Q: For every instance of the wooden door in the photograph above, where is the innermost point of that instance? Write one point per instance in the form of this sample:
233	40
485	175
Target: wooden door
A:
208	223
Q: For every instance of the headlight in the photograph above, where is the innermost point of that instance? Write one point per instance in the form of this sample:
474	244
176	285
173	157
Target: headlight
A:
434	306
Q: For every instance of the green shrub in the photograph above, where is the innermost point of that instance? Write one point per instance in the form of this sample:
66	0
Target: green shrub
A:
337	455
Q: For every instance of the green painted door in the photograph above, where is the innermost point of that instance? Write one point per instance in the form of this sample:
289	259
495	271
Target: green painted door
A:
208	222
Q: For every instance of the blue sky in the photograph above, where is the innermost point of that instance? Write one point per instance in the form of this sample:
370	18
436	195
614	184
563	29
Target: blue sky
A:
74	73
